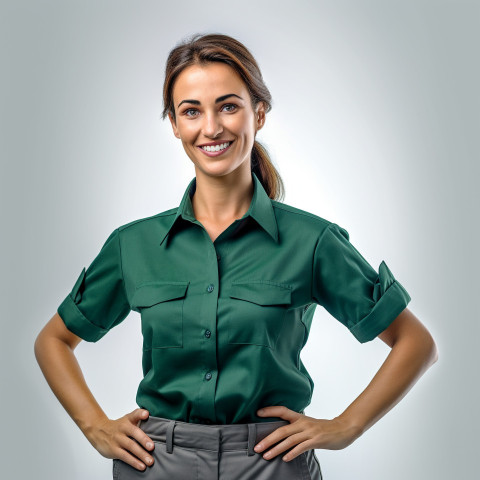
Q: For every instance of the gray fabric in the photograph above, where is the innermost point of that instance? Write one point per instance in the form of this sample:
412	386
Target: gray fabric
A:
195	451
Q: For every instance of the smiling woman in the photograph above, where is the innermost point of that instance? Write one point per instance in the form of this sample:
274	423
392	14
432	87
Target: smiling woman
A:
215	127
226	286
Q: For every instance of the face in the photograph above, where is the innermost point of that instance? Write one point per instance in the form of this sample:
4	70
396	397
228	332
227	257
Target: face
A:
213	108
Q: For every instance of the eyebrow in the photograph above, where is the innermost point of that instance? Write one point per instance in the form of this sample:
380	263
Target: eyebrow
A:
219	99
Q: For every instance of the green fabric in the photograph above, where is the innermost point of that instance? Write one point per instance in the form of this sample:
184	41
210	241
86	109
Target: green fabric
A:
223	322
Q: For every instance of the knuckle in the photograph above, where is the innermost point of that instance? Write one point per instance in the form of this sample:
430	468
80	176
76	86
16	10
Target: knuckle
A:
126	457
122	441
292	441
134	461
119	438
118	452
134	446
139	451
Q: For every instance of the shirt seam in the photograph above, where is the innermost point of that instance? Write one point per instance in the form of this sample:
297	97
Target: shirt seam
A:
121	268
319	240
165	213
305	214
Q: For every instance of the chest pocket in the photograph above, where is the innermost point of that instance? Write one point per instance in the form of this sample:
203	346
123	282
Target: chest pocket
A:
160	304
259	309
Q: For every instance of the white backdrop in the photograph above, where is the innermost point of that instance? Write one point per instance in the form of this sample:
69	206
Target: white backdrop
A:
374	126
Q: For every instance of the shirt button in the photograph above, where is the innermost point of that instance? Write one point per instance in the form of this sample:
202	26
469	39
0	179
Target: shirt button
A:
208	333
208	376
218	256
210	288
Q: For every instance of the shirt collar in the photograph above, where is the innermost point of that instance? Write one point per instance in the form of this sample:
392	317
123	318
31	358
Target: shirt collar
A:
260	209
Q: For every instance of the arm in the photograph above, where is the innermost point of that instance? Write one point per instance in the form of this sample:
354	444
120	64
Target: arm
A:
413	352
54	347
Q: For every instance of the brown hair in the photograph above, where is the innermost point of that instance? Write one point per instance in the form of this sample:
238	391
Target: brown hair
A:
201	49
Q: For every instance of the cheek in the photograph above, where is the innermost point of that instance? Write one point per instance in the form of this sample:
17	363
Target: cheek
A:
242	126
187	132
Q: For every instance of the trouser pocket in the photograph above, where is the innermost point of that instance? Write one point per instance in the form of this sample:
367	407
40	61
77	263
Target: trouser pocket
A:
181	463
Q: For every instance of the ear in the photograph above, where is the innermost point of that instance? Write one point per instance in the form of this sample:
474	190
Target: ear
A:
260	115
174	126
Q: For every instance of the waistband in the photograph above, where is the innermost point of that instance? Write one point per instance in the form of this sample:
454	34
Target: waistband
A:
219	438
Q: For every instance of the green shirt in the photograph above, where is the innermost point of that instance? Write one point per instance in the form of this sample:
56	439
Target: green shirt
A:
223	322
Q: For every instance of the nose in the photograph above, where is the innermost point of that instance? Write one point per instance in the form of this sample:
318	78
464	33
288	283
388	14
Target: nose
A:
211	126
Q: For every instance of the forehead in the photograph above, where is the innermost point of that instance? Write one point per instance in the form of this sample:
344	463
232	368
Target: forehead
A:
205	82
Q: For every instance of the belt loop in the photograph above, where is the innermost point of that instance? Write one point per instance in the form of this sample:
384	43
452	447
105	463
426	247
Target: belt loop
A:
169	439
252	435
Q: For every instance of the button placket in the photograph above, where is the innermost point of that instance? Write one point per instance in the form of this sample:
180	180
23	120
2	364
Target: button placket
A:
208	360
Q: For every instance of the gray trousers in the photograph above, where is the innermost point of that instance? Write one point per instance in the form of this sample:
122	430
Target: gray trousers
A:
192	451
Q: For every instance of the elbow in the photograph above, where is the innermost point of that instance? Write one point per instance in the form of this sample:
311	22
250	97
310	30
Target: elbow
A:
433	351
421	345
38	346
41	345
430	349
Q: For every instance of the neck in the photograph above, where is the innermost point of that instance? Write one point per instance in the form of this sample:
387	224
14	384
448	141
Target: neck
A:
221	199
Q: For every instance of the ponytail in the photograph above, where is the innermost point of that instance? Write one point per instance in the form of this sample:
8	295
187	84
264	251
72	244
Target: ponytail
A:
203	49
263	168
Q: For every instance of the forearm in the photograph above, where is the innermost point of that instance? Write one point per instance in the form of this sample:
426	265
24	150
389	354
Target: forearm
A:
64	376
408	360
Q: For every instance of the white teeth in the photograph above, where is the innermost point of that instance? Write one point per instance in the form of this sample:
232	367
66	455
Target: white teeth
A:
216	148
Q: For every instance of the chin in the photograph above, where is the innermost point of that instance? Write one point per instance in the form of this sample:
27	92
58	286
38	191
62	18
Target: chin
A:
219	169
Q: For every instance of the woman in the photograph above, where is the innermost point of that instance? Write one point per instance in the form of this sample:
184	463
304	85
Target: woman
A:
226	285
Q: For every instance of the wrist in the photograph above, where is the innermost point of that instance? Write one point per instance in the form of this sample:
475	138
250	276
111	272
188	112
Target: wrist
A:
89	426
351	425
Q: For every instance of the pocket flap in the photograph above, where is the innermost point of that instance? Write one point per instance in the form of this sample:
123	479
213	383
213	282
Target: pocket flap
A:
152	293
262	292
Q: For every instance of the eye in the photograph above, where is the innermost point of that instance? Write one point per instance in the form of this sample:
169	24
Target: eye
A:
231	107
186	112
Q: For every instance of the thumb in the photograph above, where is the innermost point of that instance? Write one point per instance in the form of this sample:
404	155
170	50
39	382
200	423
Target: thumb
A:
137	415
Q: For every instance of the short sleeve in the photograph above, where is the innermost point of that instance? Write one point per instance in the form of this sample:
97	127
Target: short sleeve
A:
350	289
98	300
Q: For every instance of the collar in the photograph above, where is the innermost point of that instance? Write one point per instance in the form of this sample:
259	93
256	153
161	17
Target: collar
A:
260	209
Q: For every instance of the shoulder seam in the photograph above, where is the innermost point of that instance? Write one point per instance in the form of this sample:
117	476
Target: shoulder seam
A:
166	213
305	214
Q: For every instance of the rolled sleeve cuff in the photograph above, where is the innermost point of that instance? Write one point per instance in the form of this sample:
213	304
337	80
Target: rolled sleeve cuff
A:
393	300
77	323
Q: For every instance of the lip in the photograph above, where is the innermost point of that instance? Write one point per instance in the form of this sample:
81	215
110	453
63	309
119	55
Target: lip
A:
212	144
215	154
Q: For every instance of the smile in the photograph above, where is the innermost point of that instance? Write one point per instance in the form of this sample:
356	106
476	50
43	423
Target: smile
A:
214	150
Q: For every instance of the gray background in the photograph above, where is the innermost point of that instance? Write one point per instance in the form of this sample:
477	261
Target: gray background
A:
375	126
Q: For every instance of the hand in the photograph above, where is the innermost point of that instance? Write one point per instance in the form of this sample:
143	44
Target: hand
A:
116	439
304	433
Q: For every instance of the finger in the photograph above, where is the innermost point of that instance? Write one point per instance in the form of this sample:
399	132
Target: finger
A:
139	435
131	460
282	447
296	451
137	415
135	449
278	434
279	411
